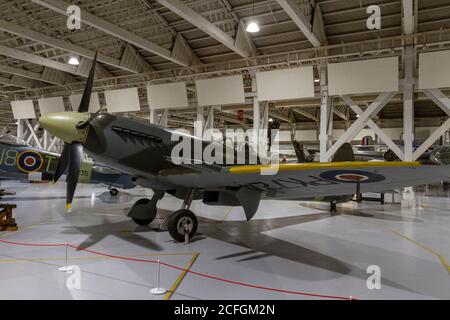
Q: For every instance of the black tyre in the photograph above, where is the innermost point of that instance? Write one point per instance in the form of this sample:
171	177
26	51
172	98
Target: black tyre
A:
181	222
142	222
114	192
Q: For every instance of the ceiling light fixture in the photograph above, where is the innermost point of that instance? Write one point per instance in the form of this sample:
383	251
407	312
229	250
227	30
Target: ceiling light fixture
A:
253	27
74	61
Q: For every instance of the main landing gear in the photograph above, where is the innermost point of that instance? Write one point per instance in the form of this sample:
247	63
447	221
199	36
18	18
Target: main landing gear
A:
333	206
183	223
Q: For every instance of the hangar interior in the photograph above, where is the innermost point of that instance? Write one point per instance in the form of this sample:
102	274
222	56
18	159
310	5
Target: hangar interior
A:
324	73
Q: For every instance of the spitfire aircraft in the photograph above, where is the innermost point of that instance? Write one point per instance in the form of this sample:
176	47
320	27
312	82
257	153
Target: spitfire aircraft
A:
144	151
19	161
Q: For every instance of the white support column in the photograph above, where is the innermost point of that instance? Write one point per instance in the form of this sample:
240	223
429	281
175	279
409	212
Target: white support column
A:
442	101
408	102
164	118
20	129
439	98
376	129
264	120
33	133
330	121
361	122
325	115
45	140
432	139
209	122
408	194
198	127
152	115
263	142
53	143
256	112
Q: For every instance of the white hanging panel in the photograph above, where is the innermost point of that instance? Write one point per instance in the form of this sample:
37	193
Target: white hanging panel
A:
122	100
94	104
220	91
23	109
51	105
168	95
366	76
285	84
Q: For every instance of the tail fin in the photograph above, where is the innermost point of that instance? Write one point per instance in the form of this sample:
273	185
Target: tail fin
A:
344	154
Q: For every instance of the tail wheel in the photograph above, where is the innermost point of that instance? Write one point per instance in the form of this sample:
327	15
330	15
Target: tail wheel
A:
142	222
182	222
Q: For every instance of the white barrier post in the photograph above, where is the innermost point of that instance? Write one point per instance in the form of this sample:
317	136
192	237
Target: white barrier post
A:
186	234
158	290
66	267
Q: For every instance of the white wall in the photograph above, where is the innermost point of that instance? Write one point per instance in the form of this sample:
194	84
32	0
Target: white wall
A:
306	135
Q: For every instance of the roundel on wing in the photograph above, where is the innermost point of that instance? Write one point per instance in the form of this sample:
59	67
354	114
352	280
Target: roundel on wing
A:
29	161
352	176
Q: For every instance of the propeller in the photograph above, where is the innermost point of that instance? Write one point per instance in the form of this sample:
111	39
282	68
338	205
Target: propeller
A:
72	154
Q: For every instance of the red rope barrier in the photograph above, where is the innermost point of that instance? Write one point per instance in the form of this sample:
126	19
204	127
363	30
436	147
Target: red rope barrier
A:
204	275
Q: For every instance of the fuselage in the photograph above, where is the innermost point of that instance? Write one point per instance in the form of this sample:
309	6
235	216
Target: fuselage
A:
25	163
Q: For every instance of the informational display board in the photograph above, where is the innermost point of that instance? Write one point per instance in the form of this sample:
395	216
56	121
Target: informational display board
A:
434	70
122	100
23	109
366	76
94	104
220	91
285	84
167	96
51	105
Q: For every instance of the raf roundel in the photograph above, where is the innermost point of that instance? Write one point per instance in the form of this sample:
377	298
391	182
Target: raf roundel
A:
29	161
352	176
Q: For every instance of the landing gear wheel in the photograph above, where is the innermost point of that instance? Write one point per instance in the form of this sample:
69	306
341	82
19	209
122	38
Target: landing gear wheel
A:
113	192
181	222
142	222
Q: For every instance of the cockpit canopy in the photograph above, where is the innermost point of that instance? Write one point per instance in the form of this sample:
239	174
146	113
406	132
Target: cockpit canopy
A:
12	140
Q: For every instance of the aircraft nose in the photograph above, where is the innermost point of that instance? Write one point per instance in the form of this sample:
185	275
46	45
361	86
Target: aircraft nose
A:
63	125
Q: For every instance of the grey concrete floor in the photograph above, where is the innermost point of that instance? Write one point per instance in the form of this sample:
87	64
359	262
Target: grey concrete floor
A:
292	246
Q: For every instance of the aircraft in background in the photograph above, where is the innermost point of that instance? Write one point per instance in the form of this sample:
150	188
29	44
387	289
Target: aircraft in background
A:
144	151
19	161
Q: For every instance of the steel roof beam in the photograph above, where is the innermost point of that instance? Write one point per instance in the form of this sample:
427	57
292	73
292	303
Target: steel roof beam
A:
303	23
63	45
112	29
48	75
306	114
206	26
31	58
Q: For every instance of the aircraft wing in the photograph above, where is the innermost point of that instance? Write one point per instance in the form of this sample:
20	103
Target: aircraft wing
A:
309	180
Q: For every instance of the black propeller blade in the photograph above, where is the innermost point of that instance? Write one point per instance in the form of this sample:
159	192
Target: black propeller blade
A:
86	99
75	157
72	154
63	162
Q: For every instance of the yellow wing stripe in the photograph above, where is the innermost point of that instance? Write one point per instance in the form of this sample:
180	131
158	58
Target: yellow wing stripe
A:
324	165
